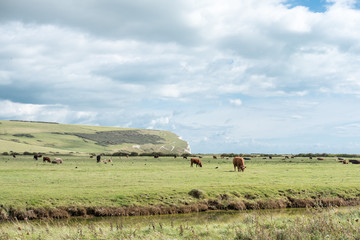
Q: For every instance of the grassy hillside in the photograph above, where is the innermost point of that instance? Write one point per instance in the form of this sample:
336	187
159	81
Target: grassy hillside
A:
45	137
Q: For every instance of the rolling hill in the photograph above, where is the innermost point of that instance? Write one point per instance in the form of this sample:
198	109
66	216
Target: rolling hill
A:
49	137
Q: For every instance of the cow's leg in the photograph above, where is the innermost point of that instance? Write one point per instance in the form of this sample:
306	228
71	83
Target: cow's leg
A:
234	168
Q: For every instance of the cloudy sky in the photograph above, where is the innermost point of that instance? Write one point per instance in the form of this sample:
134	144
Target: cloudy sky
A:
269	76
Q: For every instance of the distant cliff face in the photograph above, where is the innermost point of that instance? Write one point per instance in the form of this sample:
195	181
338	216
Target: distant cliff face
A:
48	137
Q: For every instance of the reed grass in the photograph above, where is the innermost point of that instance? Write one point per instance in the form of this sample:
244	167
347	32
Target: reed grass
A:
331	223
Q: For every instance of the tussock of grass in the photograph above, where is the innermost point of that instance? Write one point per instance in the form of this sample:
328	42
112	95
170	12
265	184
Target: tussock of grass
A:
315	223
197	193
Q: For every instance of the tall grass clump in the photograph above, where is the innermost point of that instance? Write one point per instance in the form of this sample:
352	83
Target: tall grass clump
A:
333	223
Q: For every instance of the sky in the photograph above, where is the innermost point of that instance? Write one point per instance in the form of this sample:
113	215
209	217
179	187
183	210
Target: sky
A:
253	76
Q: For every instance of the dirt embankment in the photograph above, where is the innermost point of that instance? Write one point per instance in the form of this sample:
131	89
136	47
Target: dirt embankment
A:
204	205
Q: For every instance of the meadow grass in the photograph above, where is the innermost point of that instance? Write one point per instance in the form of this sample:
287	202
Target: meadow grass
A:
144	181
332	223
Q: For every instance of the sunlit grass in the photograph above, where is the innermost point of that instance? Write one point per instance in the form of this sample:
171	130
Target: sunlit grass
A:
145	180
330	223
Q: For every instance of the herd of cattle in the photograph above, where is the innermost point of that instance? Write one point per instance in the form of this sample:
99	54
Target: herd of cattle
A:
238	162
47	159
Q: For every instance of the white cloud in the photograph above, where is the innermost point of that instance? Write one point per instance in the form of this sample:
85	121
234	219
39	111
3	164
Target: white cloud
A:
39	112
236	102
159	123
143	62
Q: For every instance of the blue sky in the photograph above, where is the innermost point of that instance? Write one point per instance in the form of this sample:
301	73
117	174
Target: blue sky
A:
313	5
268	76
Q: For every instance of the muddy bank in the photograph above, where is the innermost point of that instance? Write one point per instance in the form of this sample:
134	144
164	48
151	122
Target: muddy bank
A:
10	213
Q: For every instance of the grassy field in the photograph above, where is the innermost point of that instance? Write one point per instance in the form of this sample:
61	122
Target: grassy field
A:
333	223
22	136
146	181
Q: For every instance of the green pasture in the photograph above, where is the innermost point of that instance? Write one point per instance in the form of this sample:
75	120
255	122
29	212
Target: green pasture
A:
80	181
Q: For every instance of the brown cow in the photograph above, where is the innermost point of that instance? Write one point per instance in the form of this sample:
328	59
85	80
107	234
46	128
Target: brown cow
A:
239	163
46	159
214	157
319	158
195	161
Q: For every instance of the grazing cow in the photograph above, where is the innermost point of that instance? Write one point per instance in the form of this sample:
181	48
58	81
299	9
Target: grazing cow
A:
46	159
341	158
57	161
214	157
319	158
98	158
345	162
310	157
14	155
286	157
91	156
270	157
239	163
36	157
353	161
156	156
195	161
185	157
246	158
109	160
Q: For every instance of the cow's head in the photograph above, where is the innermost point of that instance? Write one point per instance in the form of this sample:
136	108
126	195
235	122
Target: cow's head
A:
200	164
243	168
